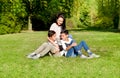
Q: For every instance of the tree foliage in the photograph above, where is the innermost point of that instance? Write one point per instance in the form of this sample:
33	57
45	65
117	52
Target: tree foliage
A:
12	12
16	15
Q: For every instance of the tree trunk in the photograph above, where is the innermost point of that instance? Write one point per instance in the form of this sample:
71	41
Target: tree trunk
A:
119	17
29	23
119	21
92	12
29	17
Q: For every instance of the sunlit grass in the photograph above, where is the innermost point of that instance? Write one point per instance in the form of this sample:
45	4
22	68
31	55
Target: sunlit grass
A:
15	47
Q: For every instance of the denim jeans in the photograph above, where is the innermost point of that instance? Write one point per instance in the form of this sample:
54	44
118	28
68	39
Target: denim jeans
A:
71	53
74	51
80	45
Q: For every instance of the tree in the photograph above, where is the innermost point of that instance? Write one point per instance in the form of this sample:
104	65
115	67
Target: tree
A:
109	10
10	13
119	16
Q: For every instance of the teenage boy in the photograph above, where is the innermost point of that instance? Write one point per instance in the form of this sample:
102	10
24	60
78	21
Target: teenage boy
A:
46	47
73	49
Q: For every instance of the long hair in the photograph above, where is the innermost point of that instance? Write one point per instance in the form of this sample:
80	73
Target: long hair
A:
55	17
64	21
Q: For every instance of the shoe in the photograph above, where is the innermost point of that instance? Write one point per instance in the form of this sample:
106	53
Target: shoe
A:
83	56
31	55
94	55
36	56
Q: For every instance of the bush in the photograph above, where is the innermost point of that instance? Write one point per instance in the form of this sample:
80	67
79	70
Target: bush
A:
9	24
104	23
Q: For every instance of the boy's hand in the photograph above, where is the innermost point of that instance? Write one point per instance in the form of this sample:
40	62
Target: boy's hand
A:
56	50
74	44
57	46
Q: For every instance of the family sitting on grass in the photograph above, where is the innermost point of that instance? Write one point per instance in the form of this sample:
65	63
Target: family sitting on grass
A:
60	43
68	47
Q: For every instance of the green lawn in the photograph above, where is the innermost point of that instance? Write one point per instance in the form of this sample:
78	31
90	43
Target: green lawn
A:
15	47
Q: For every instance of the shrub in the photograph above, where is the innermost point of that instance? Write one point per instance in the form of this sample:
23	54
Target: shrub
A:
9	24
104	23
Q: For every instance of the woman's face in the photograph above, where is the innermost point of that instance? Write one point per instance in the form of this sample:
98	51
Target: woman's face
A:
60	21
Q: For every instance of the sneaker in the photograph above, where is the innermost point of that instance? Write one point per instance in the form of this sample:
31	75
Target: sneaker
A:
94	55
36	56
83	56
31	55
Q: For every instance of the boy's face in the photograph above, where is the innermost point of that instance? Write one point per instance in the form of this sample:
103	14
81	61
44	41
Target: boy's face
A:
64	36
53	37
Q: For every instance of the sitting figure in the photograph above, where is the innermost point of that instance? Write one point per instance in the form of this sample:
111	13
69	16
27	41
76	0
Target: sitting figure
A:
72	49
47	47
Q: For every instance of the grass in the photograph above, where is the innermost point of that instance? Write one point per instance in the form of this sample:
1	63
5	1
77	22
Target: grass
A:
15	47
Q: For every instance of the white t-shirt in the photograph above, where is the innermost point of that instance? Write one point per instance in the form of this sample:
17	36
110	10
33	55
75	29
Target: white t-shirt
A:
64	45
57	29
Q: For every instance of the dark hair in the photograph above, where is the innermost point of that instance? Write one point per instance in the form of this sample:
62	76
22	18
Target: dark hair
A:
51	33
65	32
62	16
54	18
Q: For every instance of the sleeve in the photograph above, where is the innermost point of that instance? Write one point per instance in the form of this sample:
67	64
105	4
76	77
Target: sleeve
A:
52	27
71	41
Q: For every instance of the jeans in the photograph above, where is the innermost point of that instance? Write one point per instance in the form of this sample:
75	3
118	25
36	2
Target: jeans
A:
71	53
74	51
80	45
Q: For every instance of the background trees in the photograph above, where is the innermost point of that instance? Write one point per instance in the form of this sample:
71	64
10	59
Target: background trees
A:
16	15
11	15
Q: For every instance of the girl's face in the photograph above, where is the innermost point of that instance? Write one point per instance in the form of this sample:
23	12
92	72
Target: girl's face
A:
60	21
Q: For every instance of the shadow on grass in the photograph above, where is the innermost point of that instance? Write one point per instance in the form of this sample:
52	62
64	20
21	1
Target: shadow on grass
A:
96	29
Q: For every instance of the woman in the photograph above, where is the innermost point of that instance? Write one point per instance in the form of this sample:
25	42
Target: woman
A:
58	25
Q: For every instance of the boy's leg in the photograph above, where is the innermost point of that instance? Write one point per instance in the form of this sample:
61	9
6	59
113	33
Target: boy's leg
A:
84	45
55	51
46	49
43	50
37	51
70	53
57	54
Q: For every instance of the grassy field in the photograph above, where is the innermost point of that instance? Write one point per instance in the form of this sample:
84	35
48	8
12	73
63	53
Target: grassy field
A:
15	47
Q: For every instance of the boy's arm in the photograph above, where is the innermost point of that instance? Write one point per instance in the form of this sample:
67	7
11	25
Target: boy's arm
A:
72	45
56	45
